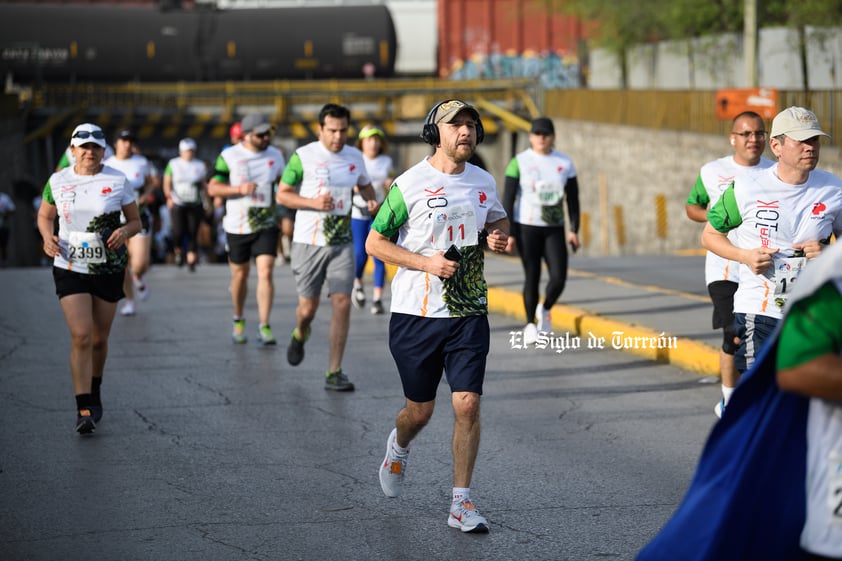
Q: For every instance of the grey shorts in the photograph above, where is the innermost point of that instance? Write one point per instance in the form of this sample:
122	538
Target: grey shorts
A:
313	264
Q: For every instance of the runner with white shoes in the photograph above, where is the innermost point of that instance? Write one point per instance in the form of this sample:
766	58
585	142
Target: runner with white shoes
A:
439	305
539	181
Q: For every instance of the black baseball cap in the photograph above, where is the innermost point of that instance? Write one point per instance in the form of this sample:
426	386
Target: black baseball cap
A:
542	125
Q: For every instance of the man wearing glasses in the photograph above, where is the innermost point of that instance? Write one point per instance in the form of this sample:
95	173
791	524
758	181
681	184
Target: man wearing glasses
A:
780	217
245	175
748	137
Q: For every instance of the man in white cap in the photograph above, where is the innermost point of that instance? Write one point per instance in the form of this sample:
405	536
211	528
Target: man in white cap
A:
246	175
783	217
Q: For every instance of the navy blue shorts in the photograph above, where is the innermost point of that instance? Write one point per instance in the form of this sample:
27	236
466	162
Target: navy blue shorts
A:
754	331
424	348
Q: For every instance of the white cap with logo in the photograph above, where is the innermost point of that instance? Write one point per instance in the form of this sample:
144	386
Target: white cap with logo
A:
797	123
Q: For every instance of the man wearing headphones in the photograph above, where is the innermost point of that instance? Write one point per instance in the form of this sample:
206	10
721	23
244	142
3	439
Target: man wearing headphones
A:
439	212
748	137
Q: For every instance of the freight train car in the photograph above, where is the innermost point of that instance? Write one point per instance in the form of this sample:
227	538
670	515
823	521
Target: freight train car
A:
88	43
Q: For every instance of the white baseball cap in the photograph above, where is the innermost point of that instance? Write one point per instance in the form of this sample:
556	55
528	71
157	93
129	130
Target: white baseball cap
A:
186	144
85	133
797	123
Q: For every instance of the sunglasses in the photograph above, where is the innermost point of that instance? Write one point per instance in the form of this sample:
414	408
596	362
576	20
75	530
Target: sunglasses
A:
99	135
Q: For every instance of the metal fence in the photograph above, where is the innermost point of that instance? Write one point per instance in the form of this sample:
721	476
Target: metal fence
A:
679	110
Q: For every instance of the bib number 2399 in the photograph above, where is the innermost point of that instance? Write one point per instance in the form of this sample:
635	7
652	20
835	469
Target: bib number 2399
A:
86	247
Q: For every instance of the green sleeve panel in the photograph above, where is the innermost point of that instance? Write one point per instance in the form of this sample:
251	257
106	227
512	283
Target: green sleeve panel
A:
220	170
811	328
47	195
393	213
699	195
294	172
168	171
513	169
725	214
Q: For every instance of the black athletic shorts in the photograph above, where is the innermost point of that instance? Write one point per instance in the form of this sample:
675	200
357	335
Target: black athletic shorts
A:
722	295
242	247
106	287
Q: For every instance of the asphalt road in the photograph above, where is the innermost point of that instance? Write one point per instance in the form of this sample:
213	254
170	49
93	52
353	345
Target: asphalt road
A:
211	451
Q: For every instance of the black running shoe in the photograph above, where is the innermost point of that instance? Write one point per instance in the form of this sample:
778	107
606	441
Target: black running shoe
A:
338	382
96	413
295	351
85	422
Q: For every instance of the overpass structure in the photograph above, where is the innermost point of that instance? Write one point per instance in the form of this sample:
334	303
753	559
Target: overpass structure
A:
161	113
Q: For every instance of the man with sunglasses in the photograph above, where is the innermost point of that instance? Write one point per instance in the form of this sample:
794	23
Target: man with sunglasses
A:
245	174
781	217
748	137
319	183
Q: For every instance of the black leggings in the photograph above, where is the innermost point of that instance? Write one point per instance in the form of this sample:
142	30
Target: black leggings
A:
186	220
536	244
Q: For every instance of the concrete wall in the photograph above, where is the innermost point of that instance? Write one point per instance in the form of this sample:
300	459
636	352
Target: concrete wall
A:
717	62
623	172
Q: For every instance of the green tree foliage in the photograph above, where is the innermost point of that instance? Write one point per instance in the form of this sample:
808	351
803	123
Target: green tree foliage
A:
618	25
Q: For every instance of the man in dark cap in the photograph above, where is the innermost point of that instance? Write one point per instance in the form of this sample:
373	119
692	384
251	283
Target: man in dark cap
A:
246	175
539	181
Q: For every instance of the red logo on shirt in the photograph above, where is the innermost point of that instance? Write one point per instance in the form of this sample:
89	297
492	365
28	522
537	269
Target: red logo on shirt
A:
353	167
271	163
106	190
818	208
482	197
560	169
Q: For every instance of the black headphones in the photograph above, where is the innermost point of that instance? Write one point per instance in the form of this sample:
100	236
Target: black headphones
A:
430	132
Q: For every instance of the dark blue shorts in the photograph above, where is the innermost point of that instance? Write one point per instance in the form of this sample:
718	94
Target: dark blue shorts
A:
424	348
754	331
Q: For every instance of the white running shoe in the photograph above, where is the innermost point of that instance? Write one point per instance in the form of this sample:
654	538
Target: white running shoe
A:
719	408
464	515
142	291
358	297
545	323
392	468
530	334
128	308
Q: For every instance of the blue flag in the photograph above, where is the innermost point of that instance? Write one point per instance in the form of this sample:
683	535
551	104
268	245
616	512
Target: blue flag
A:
747	500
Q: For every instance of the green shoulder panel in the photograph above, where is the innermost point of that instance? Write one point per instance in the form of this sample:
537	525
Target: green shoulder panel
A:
513	169
393	213
810	328
725	214
294	172
699	195
47	194
220	169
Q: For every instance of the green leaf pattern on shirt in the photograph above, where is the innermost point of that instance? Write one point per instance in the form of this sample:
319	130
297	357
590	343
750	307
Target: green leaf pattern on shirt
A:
115	261
466	292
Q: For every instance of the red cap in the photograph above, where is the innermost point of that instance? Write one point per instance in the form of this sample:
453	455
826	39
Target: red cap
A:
236	130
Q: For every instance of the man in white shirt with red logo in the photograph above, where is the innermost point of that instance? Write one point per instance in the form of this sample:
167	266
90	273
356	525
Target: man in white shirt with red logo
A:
319	181
782	217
